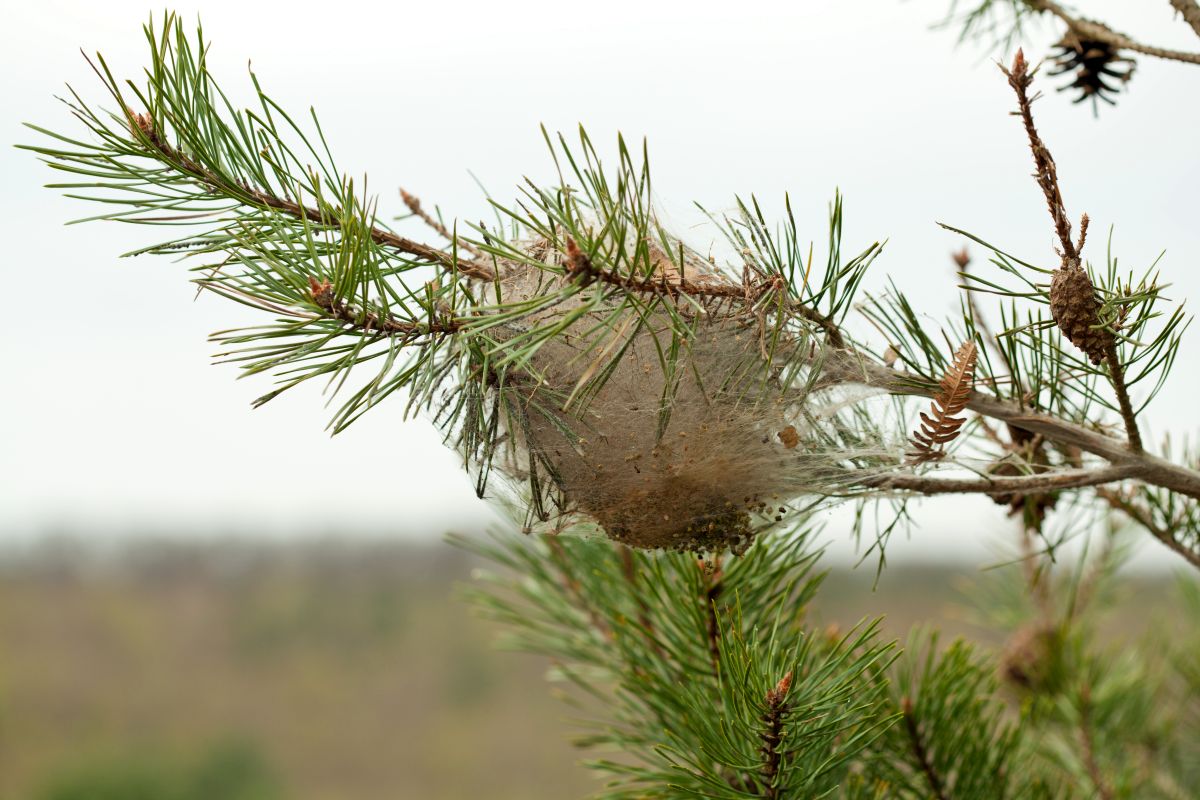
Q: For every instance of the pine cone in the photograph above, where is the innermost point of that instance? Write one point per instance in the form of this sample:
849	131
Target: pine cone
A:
1075	309
1032	658
1095	64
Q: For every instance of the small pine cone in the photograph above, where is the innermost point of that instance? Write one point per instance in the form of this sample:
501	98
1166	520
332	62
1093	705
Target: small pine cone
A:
1032	658
1075	309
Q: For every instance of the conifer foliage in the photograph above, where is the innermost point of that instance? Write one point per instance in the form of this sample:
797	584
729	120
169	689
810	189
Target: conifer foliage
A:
668	424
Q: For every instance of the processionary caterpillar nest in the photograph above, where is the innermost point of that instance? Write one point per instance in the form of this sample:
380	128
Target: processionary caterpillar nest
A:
687	441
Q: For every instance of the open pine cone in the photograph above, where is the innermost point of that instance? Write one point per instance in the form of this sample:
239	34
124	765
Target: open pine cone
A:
1095	66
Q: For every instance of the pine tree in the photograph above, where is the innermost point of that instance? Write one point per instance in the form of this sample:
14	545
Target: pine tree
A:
666	423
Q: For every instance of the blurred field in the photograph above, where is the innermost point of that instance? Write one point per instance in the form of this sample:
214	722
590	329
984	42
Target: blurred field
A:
314	672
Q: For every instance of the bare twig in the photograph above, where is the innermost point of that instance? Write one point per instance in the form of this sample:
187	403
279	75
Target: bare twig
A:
1099	32
414	205
936	785
1046	173
1020	485
1143	517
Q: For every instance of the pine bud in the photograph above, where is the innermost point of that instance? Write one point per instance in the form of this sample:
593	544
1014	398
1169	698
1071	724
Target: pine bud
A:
1076	310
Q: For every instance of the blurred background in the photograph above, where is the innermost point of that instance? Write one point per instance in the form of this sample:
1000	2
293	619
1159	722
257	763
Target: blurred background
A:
200	600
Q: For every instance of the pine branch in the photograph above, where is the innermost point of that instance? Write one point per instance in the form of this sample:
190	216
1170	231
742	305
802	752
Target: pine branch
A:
1088	745
939	427
1098	31
1145	466
1020	485
1072	297
369	322
772	735
414	205
145	126
919	751
711	583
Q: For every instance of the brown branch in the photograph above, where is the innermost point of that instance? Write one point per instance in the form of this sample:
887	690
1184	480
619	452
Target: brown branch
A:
1190	11
1046	173
145	125
1099	32
1021	485
772	735
920	753
852	367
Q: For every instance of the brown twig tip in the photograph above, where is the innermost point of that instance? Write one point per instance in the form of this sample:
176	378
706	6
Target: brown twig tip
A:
320	291
578	263
776	696
1017	73
962	258
1083	229
141	123
920	752
772	735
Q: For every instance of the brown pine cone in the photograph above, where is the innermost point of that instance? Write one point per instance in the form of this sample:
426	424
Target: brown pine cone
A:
1075	309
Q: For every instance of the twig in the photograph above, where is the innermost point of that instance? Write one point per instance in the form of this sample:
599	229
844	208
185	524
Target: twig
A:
1142	517
1046	174
1020	485
772	735
579	265
414	205
368	321
1103	790
1190	11
573	589
920	753
1020	78
1117	373
851	367
711	580
629	571
1099	32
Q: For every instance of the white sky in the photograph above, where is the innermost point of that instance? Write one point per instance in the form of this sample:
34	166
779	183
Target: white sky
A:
114	419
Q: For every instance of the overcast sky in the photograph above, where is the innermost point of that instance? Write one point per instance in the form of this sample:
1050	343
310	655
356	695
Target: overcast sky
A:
115	420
